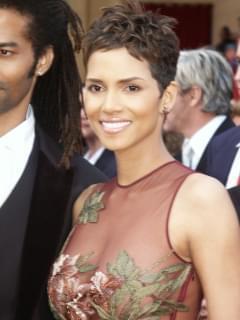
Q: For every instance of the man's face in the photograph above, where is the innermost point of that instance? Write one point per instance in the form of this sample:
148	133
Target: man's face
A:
86	129
16	62
237	74
177	119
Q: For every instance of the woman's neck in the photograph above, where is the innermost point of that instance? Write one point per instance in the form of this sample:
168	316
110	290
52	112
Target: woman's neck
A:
132	165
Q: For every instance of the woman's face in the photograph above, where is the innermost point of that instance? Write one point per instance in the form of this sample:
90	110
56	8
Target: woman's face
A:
122	100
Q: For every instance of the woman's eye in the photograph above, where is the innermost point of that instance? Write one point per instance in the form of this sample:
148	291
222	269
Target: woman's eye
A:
95	88
133	88
4	52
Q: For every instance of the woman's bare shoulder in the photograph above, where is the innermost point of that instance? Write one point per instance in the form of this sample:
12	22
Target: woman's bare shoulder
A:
200	214
205	202
204	190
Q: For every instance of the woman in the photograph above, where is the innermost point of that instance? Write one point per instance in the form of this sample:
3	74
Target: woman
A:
146	243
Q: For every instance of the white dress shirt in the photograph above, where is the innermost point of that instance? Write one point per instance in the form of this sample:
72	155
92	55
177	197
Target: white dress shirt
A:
15	149
234	174
93	158
193	148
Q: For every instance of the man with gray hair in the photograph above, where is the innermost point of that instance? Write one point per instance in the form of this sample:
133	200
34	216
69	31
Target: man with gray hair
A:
202	105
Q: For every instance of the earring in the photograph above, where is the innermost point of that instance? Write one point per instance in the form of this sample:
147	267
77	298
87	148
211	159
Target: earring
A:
39	73
165	109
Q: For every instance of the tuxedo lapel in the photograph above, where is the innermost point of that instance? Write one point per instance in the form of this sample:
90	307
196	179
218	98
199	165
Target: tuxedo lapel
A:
225	164
202	165
46	220
227	124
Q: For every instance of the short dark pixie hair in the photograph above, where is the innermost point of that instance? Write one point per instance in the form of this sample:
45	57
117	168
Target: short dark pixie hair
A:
145	35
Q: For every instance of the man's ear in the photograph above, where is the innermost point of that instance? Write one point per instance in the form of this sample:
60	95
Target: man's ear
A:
45	61
195	96
169	98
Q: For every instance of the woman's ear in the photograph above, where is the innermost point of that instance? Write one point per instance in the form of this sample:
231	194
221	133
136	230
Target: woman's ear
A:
169	98
45	61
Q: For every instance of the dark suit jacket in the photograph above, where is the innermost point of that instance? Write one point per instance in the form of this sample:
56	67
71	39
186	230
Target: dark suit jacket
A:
221	154
235	196
227	124
107	163
48	200
202	165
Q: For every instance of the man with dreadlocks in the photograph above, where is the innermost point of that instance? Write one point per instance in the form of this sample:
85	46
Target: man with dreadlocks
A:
39	97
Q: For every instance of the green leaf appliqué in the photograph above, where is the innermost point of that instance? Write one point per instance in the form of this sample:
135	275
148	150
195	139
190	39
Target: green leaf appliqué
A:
83	265
92	205
128	302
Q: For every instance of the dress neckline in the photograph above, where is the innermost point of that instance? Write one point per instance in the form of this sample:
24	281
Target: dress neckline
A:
125	186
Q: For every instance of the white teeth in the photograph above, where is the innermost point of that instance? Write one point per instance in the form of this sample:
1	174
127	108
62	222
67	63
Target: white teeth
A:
115	125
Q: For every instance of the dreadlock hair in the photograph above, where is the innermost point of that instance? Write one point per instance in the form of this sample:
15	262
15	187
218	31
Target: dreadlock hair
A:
56	94
145	35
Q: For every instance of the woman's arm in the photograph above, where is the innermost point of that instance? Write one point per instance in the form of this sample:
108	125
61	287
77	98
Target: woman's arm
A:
214	244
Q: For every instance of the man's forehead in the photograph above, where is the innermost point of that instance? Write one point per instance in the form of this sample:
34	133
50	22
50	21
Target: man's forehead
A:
13	25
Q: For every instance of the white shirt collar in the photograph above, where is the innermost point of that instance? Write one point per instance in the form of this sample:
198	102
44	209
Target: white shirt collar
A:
199	141
201	138
95	156
16	138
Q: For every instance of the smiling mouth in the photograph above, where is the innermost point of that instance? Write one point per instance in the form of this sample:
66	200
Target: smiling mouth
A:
114	126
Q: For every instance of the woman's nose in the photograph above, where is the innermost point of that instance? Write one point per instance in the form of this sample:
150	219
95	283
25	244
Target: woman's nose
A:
111	103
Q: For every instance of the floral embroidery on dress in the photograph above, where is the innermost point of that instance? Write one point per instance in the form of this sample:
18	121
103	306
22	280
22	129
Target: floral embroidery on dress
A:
124	292
92	205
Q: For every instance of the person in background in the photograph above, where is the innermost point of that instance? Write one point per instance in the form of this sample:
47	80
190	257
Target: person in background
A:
235	112
223	157
235	108
95	152
224	152
39	180
145	244
226	39
203	104
230	55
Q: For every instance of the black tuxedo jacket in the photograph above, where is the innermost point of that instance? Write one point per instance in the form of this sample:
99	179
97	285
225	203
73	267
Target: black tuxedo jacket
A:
107	163
34	222
202	165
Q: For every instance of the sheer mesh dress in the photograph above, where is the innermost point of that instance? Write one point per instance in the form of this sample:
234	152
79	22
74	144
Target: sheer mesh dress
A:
118	262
